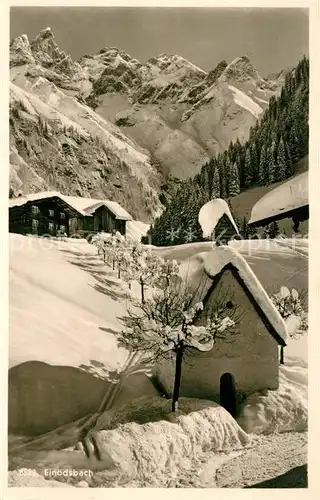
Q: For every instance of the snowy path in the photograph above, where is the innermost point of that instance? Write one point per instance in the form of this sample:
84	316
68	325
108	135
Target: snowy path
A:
277	454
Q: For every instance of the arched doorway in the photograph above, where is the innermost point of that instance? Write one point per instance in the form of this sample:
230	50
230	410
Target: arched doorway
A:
228	394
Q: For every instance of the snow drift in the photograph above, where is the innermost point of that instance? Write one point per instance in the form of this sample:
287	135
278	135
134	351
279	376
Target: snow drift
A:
153	454
283	410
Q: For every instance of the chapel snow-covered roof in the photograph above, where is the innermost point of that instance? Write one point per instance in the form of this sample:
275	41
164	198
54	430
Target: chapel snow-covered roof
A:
85	206
290	195
211	213
212	263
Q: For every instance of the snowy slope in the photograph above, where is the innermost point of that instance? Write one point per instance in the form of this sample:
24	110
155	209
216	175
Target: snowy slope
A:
246	102
135	229
56	310
45	99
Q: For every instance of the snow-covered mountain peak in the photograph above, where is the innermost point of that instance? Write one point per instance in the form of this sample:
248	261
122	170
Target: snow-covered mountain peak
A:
42	56
20	51
44	34
241	69
113	52
170	62
215	73
163	117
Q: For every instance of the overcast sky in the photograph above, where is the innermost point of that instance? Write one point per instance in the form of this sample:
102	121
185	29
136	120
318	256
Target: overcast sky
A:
273	38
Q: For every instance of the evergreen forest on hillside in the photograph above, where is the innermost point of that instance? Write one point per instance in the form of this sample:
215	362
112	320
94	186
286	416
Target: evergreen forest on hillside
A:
276	143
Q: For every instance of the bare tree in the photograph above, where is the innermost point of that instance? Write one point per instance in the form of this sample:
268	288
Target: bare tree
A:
166	324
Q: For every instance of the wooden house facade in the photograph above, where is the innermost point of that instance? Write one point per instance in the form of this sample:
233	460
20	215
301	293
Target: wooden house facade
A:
53	214
49	216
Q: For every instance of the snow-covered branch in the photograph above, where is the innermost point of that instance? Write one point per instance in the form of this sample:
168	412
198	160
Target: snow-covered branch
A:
290	307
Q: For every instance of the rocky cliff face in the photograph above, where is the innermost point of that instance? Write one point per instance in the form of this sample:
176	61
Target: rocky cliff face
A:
111	126
59	142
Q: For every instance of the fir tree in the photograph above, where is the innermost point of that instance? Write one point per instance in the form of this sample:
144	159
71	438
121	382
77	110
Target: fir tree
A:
254	159
281	162
248	173
294	144
276	143
273	230
216	184
263	172
244	228
234	184
289	170
271	165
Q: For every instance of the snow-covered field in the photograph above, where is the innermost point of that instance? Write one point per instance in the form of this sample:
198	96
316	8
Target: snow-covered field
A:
60	312
64	307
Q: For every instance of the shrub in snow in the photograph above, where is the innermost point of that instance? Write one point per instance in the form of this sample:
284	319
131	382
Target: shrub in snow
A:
113	247
102	241
289	306
142	266
165	324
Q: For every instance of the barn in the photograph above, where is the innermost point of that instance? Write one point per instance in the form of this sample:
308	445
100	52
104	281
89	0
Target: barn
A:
52	213
248	357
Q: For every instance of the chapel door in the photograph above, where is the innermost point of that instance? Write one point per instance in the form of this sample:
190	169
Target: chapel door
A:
228	394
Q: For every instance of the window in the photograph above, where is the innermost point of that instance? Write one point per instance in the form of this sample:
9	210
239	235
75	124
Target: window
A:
35	209
63	229
51	227
62	215
51	213
35	225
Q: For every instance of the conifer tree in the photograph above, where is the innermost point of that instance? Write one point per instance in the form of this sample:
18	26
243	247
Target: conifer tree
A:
248	173
273	230
281	162
254	159
294	144
244	228
276	143
216	184
289	170
234	184
263	167
271	165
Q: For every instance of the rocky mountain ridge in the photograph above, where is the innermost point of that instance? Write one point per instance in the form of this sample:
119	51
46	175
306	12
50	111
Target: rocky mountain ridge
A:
109	125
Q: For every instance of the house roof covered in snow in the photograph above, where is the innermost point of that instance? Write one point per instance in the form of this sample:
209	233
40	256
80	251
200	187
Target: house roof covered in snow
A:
211	213
282	201
211	264
84	206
